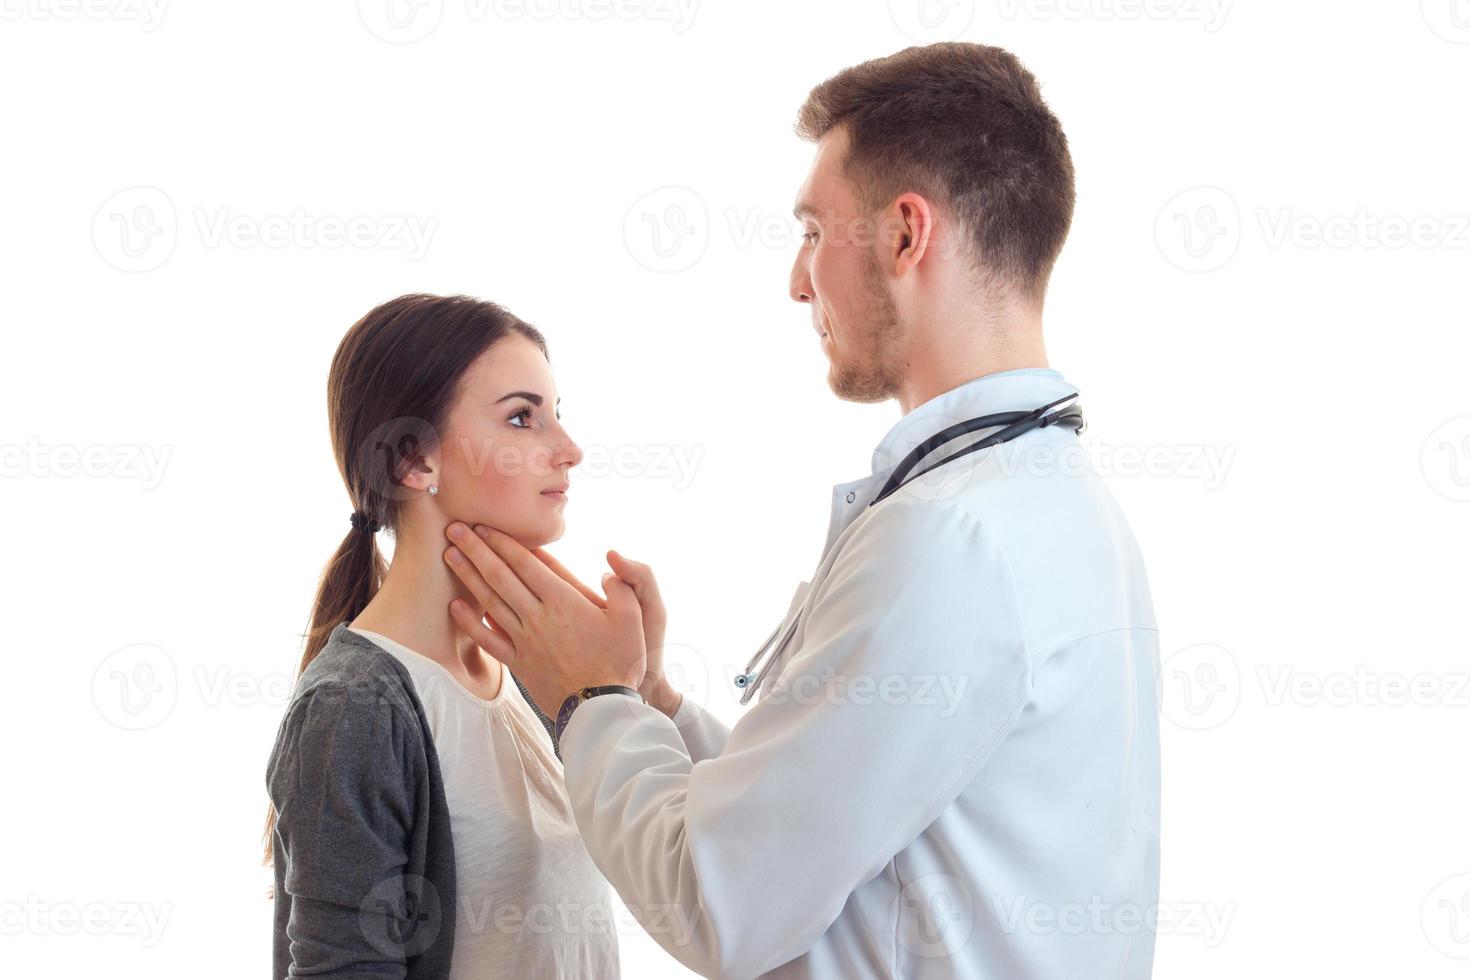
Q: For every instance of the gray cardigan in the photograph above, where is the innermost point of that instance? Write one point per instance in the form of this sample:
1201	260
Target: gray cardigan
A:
364	858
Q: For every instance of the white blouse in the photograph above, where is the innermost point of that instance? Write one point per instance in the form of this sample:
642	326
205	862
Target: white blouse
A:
530	901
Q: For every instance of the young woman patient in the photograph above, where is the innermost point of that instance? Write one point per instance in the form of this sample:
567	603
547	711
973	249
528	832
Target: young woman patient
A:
418	811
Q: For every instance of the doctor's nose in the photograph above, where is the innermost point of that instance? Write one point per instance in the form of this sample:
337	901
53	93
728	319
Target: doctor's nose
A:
800	288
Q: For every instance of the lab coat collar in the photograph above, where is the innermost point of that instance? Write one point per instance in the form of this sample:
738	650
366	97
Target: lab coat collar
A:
1018	390
1021	389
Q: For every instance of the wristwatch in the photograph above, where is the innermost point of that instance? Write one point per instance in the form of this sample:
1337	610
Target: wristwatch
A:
570	704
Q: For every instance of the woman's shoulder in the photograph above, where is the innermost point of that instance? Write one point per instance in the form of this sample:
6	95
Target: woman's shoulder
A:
351	667
353	708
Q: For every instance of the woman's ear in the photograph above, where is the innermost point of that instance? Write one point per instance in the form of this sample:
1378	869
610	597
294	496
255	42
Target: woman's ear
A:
421	472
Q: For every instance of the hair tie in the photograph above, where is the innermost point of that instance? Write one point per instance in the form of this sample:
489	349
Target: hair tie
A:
364	523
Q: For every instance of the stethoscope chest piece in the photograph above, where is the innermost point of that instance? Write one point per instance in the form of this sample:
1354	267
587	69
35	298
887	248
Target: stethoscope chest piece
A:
770	651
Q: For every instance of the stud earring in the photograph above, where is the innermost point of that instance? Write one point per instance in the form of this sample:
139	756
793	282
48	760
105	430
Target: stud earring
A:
433	489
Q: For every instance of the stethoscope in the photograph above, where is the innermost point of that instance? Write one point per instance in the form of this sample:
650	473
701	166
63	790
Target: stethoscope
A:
1014	424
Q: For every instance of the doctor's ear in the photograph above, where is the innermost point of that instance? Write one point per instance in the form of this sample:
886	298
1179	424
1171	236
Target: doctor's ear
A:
914	220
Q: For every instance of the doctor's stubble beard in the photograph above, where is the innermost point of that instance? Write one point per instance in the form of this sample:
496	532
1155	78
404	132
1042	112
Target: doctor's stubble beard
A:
870	371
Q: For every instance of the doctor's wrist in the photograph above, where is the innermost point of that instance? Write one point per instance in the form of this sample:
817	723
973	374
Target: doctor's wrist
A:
658	692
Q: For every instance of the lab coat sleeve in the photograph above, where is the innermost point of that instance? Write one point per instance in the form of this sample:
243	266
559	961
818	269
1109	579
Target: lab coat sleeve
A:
913	666
704	735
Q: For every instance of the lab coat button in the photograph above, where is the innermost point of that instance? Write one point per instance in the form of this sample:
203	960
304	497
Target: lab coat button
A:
851	496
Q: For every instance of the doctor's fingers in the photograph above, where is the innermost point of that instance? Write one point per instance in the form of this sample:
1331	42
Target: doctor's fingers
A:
493	641
535	577
636	574
566	576
488	598
494	571
622	603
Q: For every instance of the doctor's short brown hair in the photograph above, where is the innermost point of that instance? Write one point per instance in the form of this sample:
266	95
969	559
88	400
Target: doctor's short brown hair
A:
965	126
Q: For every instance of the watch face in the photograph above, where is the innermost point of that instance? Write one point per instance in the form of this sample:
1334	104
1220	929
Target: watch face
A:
565	714
570	704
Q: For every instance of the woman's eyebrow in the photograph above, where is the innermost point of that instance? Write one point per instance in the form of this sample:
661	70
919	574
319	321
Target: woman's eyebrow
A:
529	396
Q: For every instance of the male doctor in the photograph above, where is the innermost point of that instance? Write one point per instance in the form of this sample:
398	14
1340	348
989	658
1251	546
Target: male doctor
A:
952	768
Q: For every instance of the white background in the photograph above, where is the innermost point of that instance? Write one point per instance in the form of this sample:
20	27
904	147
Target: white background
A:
1262	302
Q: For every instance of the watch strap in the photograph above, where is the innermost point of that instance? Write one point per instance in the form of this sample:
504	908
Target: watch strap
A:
570	705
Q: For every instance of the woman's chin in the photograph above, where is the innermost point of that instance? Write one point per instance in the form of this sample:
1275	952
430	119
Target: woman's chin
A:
530	530
544	533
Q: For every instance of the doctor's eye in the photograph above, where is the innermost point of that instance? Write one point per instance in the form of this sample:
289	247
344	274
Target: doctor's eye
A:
809	237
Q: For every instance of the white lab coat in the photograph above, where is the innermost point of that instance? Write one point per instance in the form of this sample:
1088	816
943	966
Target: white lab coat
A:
991	813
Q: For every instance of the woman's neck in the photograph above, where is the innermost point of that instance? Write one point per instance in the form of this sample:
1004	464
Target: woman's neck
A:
412	606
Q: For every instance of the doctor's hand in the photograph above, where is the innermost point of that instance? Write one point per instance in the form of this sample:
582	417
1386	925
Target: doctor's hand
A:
655	687
548	632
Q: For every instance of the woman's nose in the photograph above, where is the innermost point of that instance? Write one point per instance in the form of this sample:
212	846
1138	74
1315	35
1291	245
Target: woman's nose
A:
569	453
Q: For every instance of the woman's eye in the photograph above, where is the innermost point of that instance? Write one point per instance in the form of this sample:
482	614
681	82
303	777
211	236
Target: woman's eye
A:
524	415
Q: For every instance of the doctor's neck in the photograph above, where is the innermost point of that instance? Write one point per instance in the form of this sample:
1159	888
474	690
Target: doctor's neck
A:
947	347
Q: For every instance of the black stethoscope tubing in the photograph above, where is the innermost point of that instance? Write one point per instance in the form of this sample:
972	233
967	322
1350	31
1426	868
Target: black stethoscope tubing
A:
1013	424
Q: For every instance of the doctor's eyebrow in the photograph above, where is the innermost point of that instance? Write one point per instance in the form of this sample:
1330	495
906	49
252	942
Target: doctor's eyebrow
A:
529	396
803	209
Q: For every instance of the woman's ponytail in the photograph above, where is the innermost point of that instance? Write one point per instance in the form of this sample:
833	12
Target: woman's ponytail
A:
350	580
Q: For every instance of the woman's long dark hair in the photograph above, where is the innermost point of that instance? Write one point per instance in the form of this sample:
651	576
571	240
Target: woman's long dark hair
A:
393	381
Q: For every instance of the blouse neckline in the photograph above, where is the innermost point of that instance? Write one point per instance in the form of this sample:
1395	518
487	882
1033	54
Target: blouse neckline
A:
393	646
